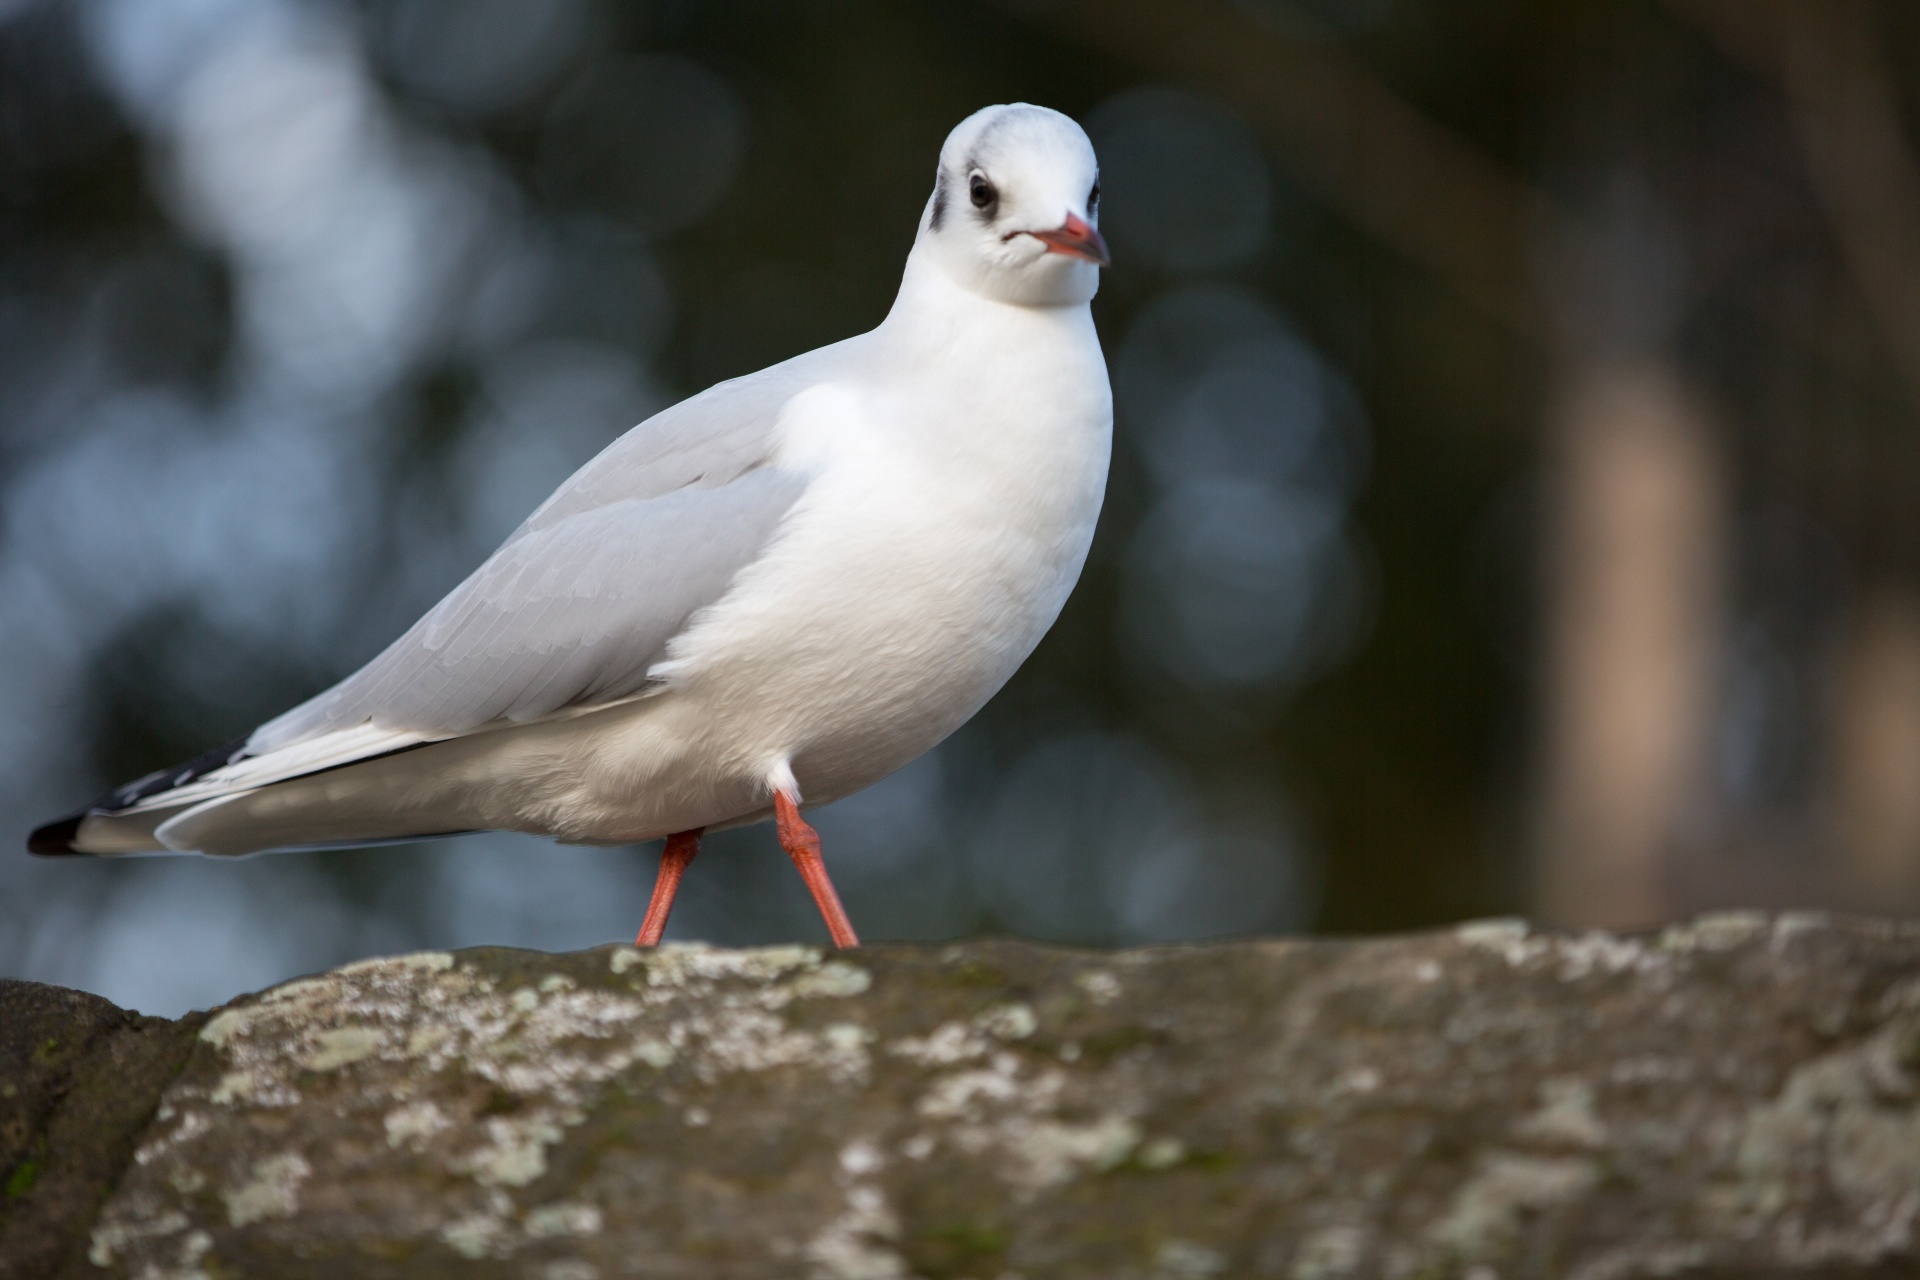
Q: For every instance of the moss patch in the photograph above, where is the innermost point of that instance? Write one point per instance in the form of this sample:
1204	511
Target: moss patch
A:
21	1180
953	1250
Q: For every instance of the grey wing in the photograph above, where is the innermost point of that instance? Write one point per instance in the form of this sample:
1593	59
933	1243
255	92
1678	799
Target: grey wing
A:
707	439
574	613
581	600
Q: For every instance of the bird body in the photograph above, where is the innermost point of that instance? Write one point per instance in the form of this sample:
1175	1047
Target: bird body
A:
790	584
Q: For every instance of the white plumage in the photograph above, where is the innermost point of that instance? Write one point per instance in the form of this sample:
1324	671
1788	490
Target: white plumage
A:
794	582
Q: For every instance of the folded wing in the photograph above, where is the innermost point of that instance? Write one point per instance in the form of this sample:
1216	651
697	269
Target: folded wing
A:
572	611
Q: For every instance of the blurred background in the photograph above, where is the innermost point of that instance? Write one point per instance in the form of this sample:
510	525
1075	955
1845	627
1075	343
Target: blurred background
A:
1513	502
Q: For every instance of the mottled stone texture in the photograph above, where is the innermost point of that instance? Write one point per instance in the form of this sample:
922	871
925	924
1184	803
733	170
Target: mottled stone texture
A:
1739	1097
79	1080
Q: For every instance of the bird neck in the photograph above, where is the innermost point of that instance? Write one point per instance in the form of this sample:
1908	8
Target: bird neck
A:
933	309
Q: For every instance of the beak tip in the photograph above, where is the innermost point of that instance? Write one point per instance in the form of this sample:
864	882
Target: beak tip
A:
1077	238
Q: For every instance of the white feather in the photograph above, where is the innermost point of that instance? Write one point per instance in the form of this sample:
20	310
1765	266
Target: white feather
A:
803	578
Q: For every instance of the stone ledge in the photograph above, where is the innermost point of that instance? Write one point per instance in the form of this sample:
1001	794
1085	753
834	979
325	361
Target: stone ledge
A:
1734	1097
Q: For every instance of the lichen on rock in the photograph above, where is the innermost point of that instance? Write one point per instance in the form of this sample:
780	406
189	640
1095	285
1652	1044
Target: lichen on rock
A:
1735	1096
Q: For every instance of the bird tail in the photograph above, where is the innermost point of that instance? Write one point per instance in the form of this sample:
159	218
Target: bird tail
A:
226	801
123	821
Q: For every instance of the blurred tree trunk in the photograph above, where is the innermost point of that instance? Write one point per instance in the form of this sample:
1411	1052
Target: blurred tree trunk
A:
1632	592
1833	69
1829	59
1876	774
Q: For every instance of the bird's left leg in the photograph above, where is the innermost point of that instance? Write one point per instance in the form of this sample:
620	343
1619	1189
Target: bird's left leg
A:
680	850
802	844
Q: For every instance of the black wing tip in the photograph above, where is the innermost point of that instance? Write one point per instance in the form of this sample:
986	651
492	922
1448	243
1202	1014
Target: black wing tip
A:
181	774
55	839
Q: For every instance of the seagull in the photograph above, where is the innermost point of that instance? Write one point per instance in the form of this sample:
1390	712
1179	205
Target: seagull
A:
761	599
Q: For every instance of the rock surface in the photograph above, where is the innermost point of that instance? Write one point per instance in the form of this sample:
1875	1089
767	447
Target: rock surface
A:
1736	1097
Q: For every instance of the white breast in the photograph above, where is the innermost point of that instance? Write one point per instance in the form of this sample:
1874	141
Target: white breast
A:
951	513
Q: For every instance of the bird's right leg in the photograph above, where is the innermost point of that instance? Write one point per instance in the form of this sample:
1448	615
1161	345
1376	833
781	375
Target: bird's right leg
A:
802	844
680	850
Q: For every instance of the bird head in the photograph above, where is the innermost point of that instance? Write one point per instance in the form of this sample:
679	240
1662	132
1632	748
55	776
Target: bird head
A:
1015	210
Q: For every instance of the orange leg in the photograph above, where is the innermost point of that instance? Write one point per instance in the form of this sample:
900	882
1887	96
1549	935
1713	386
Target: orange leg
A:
802	844
681	847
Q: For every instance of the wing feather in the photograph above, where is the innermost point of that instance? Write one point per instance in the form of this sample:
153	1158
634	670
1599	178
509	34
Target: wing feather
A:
572	611
579	603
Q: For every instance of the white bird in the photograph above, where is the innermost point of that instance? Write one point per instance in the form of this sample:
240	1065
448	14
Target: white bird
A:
772	594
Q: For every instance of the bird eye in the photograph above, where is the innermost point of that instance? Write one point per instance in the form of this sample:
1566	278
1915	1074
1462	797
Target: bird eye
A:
981	190
1093	199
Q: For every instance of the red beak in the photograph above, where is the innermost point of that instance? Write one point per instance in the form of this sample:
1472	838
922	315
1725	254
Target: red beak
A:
1077	238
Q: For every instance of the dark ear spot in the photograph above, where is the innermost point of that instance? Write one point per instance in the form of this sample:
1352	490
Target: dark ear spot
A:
939	201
